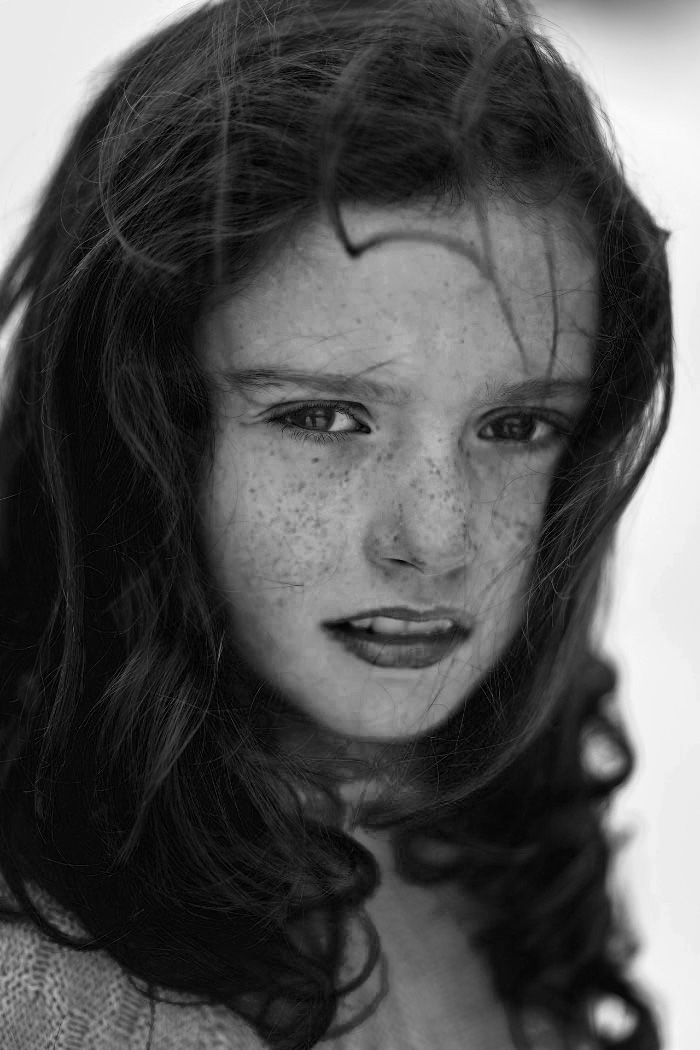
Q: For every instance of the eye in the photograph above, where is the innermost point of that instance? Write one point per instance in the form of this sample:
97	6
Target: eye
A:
530	429
312	417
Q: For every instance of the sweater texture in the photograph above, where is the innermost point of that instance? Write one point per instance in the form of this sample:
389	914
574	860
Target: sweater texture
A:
53	997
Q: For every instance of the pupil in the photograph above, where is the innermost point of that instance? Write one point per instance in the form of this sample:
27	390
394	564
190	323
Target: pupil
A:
315	416
518	428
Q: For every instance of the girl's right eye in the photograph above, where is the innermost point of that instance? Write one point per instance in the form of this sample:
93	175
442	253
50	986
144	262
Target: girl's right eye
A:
311	415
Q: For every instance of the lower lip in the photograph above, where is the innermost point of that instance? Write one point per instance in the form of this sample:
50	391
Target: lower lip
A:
397	651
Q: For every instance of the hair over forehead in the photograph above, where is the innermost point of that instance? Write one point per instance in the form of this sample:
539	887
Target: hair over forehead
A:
216	137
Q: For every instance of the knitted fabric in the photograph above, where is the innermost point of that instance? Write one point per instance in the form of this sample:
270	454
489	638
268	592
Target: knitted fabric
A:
56	998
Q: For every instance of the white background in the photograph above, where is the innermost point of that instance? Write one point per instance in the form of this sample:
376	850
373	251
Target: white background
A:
647	72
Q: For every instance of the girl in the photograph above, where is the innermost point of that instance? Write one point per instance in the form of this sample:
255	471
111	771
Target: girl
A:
340	345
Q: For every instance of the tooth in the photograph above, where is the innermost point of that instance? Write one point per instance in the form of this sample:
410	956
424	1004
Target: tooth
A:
394	626
387	625
432	626
437	625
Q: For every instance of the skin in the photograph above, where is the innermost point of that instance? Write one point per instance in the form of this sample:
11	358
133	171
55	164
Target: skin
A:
421	507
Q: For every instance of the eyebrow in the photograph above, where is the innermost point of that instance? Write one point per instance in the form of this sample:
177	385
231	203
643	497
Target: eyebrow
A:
358	387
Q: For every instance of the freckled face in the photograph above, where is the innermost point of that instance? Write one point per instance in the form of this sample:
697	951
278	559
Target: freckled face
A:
318	508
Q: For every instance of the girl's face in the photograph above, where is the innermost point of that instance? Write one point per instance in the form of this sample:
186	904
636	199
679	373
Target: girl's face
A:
385	442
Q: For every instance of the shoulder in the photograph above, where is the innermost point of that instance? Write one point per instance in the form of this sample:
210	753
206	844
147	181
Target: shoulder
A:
58	998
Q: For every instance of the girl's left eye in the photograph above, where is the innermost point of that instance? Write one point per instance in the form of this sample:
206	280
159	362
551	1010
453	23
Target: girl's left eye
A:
313	415
531	430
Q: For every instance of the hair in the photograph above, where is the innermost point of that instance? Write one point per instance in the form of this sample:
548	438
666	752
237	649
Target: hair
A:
142	785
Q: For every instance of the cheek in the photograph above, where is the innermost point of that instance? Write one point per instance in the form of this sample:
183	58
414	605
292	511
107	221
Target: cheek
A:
515	527
510	529
273	528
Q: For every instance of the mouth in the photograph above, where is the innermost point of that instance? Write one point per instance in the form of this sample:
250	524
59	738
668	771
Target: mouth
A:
420	645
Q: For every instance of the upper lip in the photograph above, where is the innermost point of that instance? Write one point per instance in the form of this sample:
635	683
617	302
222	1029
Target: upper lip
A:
402	612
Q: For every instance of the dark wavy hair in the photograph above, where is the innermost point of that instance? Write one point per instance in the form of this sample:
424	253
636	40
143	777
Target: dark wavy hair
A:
142	783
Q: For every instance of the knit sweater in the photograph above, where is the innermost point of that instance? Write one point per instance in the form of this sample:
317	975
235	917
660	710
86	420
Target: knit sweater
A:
56	998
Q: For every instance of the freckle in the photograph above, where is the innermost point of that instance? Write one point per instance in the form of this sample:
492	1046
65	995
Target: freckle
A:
315	459
522	530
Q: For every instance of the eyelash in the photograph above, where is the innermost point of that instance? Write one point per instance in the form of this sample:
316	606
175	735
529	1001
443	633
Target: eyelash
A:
560	430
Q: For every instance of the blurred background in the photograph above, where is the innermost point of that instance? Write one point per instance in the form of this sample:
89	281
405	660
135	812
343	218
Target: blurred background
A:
641	58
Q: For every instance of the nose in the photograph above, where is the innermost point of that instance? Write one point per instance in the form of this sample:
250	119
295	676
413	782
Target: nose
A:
424	517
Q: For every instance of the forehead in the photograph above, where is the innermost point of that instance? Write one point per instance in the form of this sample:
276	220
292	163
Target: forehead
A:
507	289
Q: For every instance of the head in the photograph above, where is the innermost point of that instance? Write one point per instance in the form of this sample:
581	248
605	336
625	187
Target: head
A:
185	242
413	195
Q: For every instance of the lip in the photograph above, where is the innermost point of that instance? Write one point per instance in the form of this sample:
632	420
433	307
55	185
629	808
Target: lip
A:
406	651
402	612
